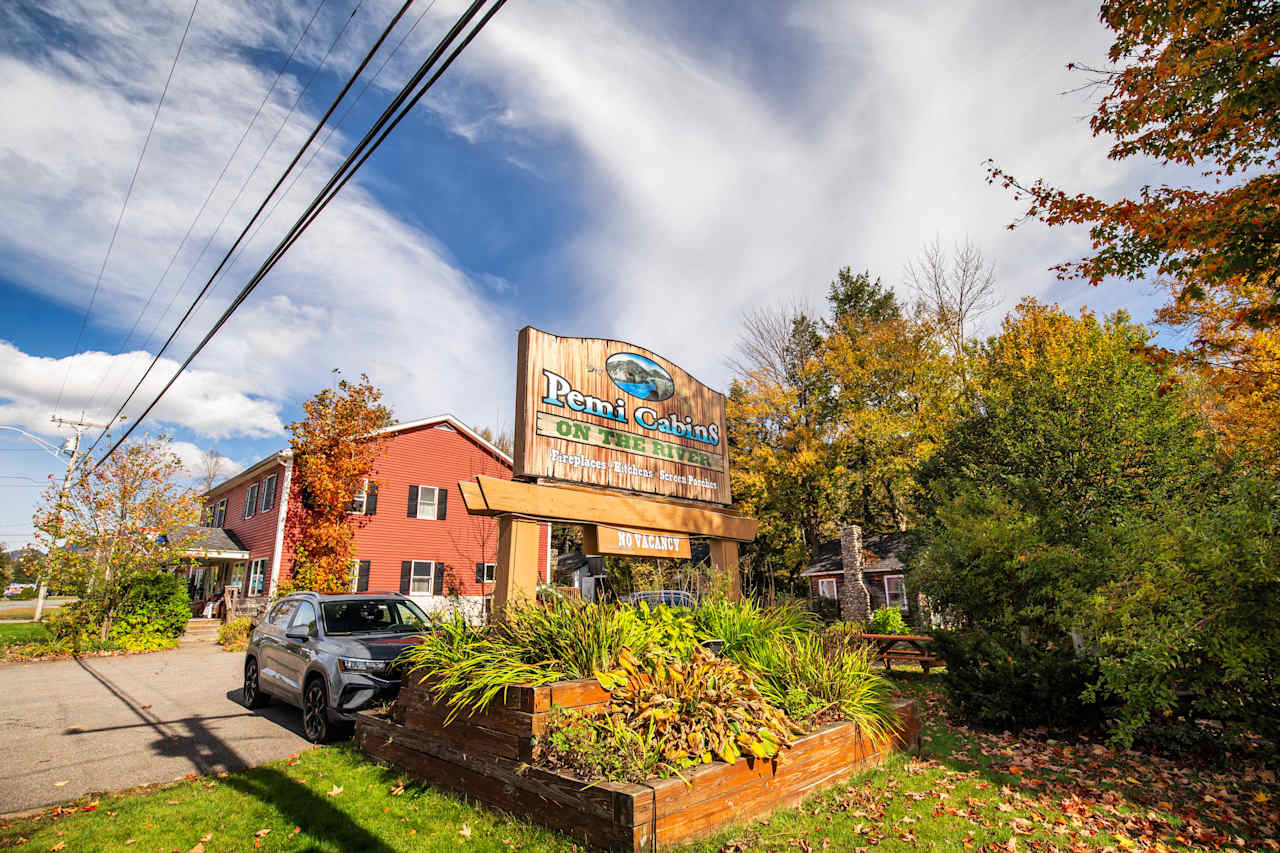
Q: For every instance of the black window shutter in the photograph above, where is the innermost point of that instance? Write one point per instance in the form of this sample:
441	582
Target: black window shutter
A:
371	500
442	502
479	572
362	577
413	501
437	573
406	572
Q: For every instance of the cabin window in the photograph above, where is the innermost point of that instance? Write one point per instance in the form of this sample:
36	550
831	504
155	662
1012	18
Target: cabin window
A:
895	591
826	587
250	500
358	500
220	513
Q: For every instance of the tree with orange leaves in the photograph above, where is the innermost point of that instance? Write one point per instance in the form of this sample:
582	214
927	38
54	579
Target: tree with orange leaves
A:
1194	84
333	452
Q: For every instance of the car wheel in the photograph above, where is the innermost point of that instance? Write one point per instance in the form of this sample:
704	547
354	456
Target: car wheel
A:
252	694
315	712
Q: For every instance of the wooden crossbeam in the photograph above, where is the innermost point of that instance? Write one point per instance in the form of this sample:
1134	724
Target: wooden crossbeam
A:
494	496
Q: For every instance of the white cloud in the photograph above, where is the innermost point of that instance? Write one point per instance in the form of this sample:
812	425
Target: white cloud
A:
363	291
710	195
208	403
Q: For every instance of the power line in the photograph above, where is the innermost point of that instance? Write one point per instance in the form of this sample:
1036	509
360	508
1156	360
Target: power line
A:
334	126
381	129
209	197
226	257
128	194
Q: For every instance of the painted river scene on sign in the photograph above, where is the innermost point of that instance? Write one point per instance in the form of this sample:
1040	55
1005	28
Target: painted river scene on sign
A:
639	376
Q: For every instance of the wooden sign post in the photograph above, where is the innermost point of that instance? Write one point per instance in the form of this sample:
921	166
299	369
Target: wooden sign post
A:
620	440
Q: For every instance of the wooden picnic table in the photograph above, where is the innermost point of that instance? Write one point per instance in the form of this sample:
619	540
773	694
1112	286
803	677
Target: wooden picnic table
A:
885	649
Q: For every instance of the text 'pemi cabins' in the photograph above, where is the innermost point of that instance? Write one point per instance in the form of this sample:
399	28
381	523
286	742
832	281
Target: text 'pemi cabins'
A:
412	532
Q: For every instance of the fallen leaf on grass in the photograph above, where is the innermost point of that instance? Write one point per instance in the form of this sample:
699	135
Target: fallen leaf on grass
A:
465	832
59	845
199	848
335	790
261	832
131	841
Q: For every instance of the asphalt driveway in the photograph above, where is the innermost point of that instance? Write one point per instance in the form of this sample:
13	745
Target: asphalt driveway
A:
99	724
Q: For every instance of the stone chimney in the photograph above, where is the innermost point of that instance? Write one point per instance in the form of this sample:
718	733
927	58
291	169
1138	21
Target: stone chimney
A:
855	600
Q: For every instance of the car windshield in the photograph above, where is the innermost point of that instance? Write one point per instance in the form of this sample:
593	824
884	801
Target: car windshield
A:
377	616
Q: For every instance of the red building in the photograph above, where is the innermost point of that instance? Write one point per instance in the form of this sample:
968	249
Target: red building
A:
413	533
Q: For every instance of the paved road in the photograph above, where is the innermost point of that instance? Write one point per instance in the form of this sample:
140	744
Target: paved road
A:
30	604
100	724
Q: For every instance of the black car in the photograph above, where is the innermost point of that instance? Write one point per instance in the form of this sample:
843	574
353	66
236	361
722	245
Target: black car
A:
330	655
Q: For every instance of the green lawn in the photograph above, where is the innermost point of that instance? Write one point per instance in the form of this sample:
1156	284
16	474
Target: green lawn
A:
968	791
13	633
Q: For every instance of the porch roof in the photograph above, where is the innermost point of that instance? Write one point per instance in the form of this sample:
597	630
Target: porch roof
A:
211	542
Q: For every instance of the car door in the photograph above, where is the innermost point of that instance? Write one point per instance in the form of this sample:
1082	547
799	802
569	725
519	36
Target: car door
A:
296	654
269	647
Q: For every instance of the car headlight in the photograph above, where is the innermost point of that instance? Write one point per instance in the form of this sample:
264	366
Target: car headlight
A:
372	667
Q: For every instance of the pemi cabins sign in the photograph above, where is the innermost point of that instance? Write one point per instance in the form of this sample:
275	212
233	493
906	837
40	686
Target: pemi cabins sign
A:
609	413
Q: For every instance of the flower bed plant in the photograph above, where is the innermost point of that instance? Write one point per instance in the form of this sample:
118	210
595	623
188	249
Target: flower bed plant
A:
673	705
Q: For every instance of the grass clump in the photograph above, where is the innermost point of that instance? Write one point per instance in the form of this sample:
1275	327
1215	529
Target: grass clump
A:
743	624
817	681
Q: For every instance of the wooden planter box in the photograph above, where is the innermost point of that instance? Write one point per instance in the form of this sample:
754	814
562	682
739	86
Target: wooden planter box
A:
485	757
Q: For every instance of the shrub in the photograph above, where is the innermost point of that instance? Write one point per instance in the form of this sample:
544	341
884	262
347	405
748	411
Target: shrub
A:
999	684
76	623
887	620
152	614
27	593
234	636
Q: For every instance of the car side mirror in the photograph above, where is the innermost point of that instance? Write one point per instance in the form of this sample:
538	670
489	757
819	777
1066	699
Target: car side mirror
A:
297	634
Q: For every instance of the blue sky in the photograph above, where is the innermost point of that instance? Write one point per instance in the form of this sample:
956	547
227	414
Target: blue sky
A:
646	171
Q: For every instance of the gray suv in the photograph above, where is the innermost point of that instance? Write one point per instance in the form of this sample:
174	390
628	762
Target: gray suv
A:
330	655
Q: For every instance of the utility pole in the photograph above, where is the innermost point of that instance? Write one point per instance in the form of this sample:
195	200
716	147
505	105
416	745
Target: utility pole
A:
74	450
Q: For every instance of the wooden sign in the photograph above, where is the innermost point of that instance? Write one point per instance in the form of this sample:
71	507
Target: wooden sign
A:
634	542
612	414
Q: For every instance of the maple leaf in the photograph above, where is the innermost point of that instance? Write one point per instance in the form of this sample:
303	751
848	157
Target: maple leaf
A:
465	832
335	790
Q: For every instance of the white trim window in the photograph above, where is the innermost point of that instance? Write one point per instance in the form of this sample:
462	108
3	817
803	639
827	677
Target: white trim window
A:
220	513
237	576
269	493
486	572
421	577
250	501
358	501
895	591
827	588
428	502
257	576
